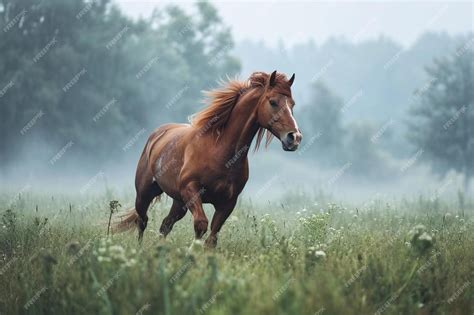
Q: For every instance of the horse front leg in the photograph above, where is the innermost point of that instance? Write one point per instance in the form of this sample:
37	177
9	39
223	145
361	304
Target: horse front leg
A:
223	211
191	194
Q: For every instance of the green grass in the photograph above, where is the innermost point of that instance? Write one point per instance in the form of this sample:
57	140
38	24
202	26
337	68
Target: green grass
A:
269	260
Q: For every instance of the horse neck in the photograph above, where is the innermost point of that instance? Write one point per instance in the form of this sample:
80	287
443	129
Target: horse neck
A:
242	125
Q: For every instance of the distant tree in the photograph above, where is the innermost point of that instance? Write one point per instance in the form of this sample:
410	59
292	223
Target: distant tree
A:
321	124
364	154
201	44
82	72
443	123
333	144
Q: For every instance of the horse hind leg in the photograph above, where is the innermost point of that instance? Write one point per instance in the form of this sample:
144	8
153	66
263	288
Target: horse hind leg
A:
142	202
177	212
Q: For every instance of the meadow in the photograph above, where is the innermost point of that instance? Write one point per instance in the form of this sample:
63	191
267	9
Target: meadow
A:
304	255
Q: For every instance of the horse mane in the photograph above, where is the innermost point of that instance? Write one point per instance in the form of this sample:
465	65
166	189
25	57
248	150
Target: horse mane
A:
222	101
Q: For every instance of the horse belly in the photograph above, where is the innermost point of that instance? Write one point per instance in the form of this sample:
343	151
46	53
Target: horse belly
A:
166	173
222	190
167	166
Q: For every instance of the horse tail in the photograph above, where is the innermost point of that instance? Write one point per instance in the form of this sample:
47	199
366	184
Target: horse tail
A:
126	221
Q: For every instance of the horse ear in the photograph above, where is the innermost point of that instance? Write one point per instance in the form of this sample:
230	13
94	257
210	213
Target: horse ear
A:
290	81
273	78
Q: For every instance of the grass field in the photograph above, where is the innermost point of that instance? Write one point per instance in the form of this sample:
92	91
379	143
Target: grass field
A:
297	257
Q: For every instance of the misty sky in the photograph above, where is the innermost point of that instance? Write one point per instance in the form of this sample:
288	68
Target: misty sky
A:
297	21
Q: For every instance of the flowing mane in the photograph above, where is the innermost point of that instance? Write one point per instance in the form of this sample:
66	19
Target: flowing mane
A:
222	100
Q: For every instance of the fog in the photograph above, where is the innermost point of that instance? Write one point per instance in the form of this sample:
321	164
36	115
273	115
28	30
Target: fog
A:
294	22
361	71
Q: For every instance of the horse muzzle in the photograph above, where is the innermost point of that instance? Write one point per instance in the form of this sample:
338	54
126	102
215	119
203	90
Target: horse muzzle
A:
291	141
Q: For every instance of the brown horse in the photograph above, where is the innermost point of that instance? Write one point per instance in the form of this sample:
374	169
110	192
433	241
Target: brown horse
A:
206	161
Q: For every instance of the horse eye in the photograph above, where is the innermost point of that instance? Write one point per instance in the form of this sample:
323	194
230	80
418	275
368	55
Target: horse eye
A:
273	103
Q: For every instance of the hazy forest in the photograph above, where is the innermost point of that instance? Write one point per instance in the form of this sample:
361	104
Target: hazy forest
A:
108	80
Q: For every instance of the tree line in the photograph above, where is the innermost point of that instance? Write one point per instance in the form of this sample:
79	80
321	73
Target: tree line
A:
80	76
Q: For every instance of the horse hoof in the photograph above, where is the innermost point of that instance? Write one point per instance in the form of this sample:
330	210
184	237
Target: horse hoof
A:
197	246
210	243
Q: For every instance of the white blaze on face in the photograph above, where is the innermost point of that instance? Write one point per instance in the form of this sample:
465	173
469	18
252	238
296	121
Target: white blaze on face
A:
291	114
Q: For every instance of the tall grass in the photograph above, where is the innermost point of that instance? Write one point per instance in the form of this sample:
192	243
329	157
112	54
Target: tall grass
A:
300	256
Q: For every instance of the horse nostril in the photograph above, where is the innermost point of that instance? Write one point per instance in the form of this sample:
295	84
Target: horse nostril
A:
290	137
